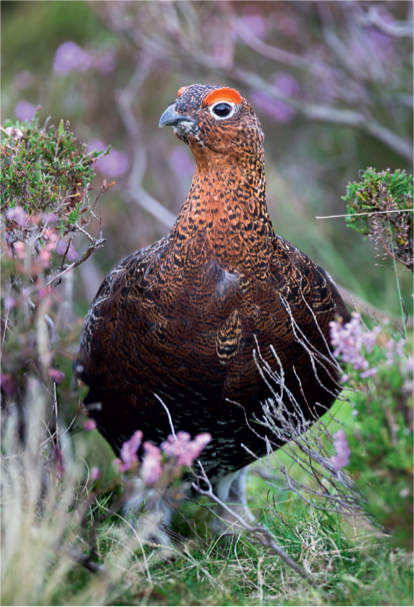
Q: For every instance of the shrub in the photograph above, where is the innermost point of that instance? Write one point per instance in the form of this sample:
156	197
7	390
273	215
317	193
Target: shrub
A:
45	189
380	206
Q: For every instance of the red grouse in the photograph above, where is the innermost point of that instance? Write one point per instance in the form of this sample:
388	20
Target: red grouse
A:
179	321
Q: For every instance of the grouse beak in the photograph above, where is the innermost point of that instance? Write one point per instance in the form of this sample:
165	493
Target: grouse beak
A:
172	118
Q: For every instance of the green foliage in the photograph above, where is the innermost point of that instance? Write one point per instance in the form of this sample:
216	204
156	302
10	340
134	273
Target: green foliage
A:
48	523
44	168
381	442
380	206
45	187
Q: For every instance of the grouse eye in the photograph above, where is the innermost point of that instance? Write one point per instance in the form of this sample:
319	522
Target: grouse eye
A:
222	110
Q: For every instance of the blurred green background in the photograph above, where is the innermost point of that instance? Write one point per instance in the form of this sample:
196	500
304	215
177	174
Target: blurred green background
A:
330	81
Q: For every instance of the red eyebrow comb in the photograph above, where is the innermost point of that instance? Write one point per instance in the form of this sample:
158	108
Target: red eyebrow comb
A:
224	94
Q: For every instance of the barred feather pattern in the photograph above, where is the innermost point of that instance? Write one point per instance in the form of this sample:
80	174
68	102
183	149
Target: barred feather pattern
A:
181	319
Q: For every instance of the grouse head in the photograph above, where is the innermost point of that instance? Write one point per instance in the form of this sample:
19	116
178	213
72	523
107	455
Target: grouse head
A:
215	122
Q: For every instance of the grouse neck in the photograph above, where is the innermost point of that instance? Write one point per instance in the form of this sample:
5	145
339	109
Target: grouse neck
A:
227	197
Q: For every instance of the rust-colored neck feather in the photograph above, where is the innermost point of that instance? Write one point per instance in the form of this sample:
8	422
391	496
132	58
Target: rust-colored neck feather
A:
226	206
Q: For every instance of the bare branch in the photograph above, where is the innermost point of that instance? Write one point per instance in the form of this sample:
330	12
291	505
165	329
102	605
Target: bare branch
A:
136	191
398	29
331	115
97	244
262	534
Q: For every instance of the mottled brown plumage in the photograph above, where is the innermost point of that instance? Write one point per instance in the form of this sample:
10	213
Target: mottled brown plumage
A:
180	319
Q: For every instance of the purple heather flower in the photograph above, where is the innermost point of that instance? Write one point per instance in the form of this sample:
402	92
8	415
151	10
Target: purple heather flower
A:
128	453
9	302
286	84
69	56
342	450
24	110
18	214
181	163
61	246
380	43
276	109
113	165
23	79
49	218
56	375
349	340
393	349
60	249
183	448
72	253
368	372
95	472
89	425
252	17
151	466
399	347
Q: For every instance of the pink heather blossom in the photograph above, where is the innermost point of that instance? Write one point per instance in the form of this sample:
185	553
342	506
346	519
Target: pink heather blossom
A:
49	218
349	341
342	450
19	249
393	349
368	372
44	258
56	375
71	57
183	448
9	302
129	450
52	237
18	214
151	466
24	110
13	132
95	472
89	425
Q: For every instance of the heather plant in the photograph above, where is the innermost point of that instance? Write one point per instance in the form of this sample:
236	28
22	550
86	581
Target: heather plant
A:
45	189
357	459
380	207
379	369
327	79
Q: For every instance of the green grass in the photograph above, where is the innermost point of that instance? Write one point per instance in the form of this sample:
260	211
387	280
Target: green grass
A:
350	562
